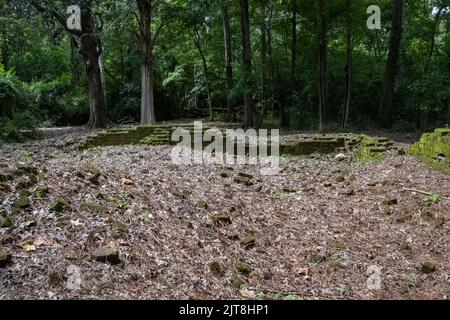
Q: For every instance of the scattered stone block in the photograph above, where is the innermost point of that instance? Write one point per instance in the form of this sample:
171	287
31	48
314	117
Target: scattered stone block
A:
216	269
243	268
249	240
5	259
59	205
92	207
6	222
107	255
237	282
41	192
22	203
429	267
221	219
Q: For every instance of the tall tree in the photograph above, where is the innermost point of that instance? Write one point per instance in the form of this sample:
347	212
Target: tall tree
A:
146	46
323	63
249	113
284	121
263	64
91	49
228	60
349	66
386	105
198	40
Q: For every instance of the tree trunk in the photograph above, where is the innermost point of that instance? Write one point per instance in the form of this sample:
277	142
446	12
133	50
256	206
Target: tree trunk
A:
284	116
263	66
349	67
448	99
323	62
91	50
249	114
228	61
294	42
147	95
198	44
427	67
385	110
447	40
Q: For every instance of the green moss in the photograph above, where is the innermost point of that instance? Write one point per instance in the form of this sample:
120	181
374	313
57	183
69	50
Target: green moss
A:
434	149
6	222
92	207
22	202
59	205
41	192
5	259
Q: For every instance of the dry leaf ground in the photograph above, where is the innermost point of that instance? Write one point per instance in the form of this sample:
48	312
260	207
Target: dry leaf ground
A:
315	237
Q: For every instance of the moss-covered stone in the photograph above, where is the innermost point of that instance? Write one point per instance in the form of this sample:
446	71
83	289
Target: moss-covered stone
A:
429	267
237	282
390	202
120	226
249	240
92	207
26	170
434	149
243	180
243	268
373	149
41	192
22	202
5	259
6	222
202	204
4	177
221	219
25	193
216	268
60	205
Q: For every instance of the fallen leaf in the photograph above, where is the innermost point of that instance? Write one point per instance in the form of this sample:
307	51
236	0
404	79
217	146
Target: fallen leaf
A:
301	271
42	241
76	223
247	294
27	247
126	181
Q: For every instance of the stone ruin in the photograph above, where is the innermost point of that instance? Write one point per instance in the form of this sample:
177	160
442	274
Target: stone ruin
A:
367	148
434	149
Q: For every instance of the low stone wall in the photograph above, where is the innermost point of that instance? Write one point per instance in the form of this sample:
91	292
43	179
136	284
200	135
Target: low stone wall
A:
369	148
145	135
373	148
434	149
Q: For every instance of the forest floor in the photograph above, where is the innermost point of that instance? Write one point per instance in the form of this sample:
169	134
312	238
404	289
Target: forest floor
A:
318	230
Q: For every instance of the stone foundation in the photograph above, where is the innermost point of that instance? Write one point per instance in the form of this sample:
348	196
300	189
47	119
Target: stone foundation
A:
434	149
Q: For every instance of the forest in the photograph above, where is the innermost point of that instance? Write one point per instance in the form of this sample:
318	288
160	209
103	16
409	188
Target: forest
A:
93	207
201	61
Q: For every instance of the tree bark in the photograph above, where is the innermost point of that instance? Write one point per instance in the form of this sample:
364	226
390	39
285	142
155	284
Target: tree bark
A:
228	61
146	44
91	51
323	63
294	42
263	66
385	110
198	44
249	114
349	67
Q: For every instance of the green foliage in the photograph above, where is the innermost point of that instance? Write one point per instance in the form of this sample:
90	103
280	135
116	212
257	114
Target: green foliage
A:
433	198
46	72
